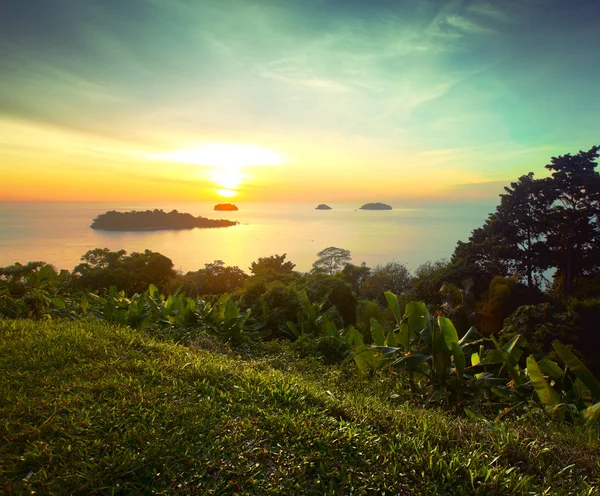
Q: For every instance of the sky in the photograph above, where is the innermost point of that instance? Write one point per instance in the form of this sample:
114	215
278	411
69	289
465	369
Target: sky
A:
280	100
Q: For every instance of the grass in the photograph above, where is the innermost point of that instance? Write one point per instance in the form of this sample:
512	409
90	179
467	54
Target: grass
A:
90	408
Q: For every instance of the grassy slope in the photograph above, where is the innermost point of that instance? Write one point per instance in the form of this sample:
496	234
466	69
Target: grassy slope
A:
89	408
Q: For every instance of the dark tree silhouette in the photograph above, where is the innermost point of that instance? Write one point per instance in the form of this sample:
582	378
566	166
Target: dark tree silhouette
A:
273	268
574	227
331	260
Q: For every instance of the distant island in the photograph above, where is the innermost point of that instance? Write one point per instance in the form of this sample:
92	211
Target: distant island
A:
322	206
226	206
376	206
153	220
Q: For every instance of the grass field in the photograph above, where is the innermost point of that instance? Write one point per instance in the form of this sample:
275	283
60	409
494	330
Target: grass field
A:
91	408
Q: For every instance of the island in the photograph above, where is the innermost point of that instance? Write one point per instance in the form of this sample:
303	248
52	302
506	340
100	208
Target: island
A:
376	206
226	206
322	206
153	220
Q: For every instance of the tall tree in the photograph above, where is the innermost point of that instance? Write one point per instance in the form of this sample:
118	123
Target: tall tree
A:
521	226
574	230
331	260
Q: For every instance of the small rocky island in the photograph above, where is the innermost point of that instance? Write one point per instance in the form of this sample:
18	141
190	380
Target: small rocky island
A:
153	220
322	206
226	206
376	206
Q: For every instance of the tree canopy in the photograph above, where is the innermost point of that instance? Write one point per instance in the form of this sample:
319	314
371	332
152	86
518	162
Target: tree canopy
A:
331	260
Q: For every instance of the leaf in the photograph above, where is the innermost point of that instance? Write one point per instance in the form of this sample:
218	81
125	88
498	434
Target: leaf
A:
411	361
551	369
578	368
459	359
418	317
392	339
392	301
448	331
84	304
293	328
364	357
546	394
592	413
377	332
59	303
152	291
471	336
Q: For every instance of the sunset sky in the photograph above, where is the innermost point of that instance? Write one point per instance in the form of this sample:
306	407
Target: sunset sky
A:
279	100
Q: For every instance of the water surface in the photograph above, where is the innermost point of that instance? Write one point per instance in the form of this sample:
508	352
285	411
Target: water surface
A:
59	233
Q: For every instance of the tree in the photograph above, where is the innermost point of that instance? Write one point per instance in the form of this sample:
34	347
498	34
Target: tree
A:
331	260
394	277
214	278
133	273
522	224
273	268
540	224
574	227
428	280
355	275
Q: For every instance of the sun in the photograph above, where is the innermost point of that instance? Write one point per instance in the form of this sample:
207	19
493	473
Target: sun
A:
226	161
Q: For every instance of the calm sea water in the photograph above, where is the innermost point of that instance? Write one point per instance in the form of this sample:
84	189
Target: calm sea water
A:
59	233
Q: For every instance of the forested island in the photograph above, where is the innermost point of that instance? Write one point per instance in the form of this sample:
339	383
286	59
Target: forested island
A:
322	206
154	220
230	207
376	206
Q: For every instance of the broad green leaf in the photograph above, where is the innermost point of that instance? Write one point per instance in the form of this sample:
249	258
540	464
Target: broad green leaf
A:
417	315
475	358
392	339
329	328
551	369
353	337
403	336
546	394
293	328
84	305
392	300
578	368
411	361
377	332
459	359
592	413
471	336
510	346
59	303
152	291
448	331
307	307
364	357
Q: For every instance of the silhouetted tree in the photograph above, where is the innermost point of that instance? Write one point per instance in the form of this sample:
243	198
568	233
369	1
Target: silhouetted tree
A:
102	268
574	227
214	278
273	268
331	260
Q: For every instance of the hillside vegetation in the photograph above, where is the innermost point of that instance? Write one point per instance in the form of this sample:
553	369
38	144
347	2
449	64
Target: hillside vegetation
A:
88	407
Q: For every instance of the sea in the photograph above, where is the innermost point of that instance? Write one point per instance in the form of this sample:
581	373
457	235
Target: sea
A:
59	233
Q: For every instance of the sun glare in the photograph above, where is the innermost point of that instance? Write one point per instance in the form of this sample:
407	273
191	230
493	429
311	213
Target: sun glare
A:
226	193
227	160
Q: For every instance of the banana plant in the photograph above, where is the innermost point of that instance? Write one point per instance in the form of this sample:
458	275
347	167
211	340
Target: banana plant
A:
311	318
572	389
